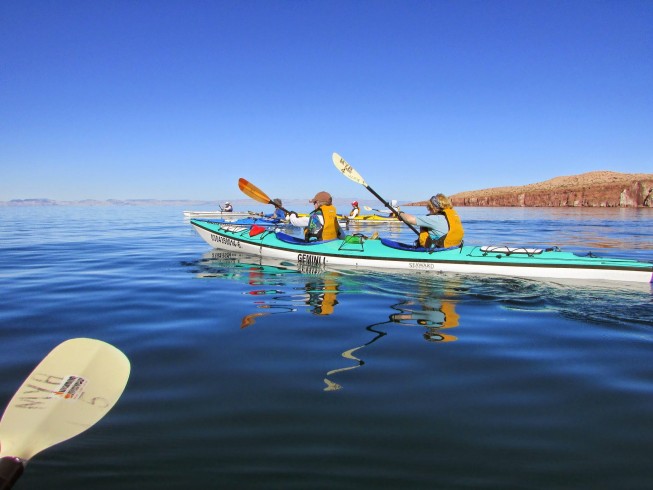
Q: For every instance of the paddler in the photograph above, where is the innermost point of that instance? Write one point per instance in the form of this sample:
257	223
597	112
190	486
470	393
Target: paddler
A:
322	222
279	213
228	208
355	210
395	205
438	205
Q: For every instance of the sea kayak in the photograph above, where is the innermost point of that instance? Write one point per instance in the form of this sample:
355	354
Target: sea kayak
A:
369	218
218	214
356	251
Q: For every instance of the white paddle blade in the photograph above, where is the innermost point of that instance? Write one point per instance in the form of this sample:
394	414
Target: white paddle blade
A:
70	390
347	170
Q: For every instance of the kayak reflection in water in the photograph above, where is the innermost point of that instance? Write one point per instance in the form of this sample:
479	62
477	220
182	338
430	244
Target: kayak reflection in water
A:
279	288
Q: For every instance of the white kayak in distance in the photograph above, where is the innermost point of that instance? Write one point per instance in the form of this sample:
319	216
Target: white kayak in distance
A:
220	214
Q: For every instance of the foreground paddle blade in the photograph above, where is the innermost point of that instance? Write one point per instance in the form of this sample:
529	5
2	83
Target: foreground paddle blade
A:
254	192
70	390
347	170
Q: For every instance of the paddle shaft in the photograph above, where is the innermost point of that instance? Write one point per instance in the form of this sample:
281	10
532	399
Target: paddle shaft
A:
367	208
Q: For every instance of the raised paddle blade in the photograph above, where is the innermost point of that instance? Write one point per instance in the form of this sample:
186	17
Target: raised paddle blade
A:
69	391
254	192
347	170
257	194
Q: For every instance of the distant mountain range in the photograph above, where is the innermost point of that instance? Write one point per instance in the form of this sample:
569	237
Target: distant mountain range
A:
189	203
592	189
108	202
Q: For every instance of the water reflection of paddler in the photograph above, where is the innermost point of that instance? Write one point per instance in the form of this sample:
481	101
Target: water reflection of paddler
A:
322	293
433	309
433	320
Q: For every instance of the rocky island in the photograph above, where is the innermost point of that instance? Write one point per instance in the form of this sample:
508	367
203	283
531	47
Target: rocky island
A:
592	189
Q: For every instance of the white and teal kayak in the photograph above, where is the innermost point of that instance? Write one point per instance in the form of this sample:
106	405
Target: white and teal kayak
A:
356	251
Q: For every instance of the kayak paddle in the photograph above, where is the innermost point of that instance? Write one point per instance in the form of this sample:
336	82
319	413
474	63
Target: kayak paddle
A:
350	172
257	194
367	208
69	391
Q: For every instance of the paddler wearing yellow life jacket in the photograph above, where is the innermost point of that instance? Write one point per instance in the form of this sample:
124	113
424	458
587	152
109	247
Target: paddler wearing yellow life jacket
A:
438	205
322	222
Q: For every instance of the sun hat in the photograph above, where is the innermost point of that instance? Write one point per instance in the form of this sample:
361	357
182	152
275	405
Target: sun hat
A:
322	196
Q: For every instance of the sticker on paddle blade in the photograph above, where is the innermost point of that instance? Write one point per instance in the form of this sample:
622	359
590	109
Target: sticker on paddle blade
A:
71	388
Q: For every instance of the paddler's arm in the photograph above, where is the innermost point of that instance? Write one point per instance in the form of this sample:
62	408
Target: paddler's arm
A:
408	218
297	221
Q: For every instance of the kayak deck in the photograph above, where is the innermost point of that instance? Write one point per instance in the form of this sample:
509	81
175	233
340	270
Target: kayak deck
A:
359	252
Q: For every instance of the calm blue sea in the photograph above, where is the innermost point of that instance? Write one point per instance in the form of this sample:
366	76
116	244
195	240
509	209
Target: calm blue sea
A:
249	375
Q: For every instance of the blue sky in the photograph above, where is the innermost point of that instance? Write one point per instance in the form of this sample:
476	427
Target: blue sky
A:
168	99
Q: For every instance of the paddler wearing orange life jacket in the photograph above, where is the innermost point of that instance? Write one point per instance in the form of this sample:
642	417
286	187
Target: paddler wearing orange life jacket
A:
322	222
438	205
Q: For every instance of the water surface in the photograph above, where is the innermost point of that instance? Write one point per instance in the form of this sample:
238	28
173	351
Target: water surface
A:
255	374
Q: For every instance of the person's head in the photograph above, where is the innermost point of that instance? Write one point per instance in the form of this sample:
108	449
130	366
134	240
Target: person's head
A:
277	201
321	198
438	203
354	203
227	203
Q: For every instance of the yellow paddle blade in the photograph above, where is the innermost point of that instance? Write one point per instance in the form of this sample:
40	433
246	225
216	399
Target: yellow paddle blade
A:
252	191
347	170
70	390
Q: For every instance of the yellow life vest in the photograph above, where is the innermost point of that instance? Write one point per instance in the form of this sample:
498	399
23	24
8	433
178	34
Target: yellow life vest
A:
456	233
424	239
328	230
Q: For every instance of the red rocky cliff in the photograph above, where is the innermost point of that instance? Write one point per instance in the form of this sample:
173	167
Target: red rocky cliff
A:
593	189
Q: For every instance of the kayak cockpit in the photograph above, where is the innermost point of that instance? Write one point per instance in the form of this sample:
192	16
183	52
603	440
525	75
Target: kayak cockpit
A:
414	248
295	240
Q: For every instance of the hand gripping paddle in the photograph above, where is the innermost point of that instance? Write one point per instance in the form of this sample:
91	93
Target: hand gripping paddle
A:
70	390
